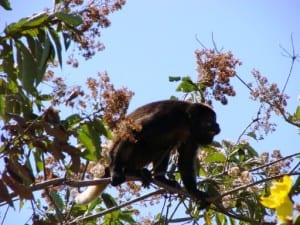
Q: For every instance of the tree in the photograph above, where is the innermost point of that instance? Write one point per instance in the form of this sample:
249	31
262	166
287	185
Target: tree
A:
45	151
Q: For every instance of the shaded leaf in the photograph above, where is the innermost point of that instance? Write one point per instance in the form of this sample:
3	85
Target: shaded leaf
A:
22	190
72	120
27	67
127	217
4	195
67	39
8	60
172	79
108	200
21	173
43	59
5	4
57	200
56	39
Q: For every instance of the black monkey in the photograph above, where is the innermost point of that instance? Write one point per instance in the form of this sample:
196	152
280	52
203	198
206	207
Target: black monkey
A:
165	125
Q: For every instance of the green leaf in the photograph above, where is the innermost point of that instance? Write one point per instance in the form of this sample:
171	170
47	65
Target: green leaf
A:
26	25
186	85
172	79
72	120
38	161
127	217
27	67
297	113
56	39
15	28
36	20
57	200
8	60
43	59
2	106
215	157
296	220
108	200
101	129
67	39
90	138
5	4
70	19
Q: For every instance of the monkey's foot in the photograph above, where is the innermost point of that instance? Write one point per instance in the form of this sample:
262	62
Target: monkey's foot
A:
143	174
146	176
117	179
202	199
168	182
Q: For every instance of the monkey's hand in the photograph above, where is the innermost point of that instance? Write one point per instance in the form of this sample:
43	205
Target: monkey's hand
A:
202	199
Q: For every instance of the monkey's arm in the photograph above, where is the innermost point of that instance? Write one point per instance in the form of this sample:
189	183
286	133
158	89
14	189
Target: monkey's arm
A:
187	154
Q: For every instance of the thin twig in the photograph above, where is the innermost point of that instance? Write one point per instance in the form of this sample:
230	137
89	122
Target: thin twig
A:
276	161
257	182
97	215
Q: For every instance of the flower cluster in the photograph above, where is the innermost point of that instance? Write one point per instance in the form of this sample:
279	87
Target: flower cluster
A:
215	70
112	102
94	16
272	99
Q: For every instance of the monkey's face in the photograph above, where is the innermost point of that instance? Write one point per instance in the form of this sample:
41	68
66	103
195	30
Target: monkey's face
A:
204	125
205	131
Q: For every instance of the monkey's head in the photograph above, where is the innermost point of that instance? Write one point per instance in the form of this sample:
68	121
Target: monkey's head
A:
203	124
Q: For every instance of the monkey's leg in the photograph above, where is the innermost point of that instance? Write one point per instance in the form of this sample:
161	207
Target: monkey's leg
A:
160	168
187	154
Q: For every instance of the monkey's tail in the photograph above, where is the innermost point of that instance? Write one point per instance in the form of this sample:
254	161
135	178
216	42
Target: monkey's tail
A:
93	191
90	194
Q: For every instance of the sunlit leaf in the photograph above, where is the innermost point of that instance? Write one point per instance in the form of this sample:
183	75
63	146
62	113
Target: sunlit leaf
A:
38	161
297	113
186	85
215	157
35	20
89	136
70	19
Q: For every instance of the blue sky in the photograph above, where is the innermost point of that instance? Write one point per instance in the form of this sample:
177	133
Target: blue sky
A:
151	40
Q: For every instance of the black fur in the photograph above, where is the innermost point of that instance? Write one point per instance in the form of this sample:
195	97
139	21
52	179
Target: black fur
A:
165	125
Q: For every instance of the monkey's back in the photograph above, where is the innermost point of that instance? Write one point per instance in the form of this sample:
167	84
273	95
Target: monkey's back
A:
163	125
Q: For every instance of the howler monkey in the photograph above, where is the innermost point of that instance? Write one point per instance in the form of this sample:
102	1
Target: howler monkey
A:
165	125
